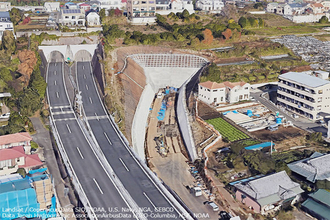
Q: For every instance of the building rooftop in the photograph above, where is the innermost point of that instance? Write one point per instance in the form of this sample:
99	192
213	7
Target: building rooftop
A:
4	14
313	168
305	79
319	203
15	138
270	189
214	85
72	11
11	153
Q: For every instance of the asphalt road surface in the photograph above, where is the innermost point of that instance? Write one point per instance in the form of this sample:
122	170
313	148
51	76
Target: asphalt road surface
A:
134	178
100	191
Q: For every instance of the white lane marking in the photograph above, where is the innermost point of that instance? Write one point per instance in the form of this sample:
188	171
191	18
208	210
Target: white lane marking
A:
84	76
90	99
98	185
149	200
83	67
97	117
86	86
106	136
54	72
80	153
55	83
124	164
68	128
57	95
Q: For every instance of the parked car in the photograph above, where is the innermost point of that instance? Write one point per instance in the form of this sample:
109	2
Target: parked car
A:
295	116
212	205
4	116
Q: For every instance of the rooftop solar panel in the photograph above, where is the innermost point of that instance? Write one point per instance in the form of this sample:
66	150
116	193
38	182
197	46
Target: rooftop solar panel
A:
71	11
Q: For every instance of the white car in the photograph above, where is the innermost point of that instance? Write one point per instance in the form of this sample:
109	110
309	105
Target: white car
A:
4	116
213	206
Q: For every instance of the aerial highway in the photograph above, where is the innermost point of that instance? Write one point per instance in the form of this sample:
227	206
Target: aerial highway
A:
104	198
136	180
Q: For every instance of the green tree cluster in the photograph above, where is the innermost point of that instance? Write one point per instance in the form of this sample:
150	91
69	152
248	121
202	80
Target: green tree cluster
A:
15	16
323	20
8	42
251	22
29	101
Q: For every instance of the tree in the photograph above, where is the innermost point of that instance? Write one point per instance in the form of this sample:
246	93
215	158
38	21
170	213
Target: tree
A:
15	16
8	42
29	102
261	22
185	14
102	14
38	83
227	34
243	22
323	20
5	74
208	37
22	172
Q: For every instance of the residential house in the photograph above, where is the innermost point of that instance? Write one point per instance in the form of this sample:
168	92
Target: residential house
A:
217	93
52	6
214	6
326	5
275	7
165	7
84	6
18	139
304	93
72	17
317	8
5	6
110	4
71	5
95	5
316	167
14	157
5	23
212	92
318	204
295	8
268	193
93	19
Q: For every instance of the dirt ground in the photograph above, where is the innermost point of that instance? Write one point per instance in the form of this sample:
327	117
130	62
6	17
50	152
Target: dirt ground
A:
230	60
206	112
284	138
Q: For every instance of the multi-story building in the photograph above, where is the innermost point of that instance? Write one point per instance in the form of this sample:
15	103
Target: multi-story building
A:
110	4
217	93
141	8
304	93
72	17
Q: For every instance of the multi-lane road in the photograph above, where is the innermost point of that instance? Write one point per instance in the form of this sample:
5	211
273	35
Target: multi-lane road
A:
96	181
133	176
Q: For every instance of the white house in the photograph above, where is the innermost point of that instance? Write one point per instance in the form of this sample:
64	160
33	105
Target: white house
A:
326	5
72	17
110	4
84	6
317	8
5	23
210	5
93	19
52	6
5	6
175	6
217	93
272	7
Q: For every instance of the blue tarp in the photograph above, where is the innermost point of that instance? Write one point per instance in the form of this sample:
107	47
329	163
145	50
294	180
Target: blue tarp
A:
37	171
259	146
246	180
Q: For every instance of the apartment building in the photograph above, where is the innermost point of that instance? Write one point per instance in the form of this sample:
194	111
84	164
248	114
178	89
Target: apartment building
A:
210	5
217	93
304	93
110	4
141	8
